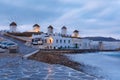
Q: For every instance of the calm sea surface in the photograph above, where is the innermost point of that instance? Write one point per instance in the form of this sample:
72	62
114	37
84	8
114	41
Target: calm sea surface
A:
112	54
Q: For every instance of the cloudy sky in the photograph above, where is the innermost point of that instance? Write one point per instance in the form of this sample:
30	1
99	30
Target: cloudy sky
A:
90	17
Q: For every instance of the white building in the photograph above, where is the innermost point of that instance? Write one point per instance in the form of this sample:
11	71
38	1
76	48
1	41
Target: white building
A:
56	41
52	40
105	45
13	27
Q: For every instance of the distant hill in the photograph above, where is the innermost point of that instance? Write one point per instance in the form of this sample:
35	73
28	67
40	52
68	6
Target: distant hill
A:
101	38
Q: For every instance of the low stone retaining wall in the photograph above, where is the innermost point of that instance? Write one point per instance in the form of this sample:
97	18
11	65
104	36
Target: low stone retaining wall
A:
68	50
73	51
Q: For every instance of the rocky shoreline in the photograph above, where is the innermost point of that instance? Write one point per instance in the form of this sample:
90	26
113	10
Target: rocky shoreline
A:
55	58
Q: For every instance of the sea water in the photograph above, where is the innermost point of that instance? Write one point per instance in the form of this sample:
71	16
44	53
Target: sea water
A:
112	54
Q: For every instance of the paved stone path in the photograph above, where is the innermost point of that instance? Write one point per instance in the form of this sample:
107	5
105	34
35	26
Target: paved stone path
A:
16	68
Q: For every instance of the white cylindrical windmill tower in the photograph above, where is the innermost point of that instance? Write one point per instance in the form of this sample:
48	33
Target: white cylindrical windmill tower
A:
36	28
50	30
13	27
64	31
76	33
